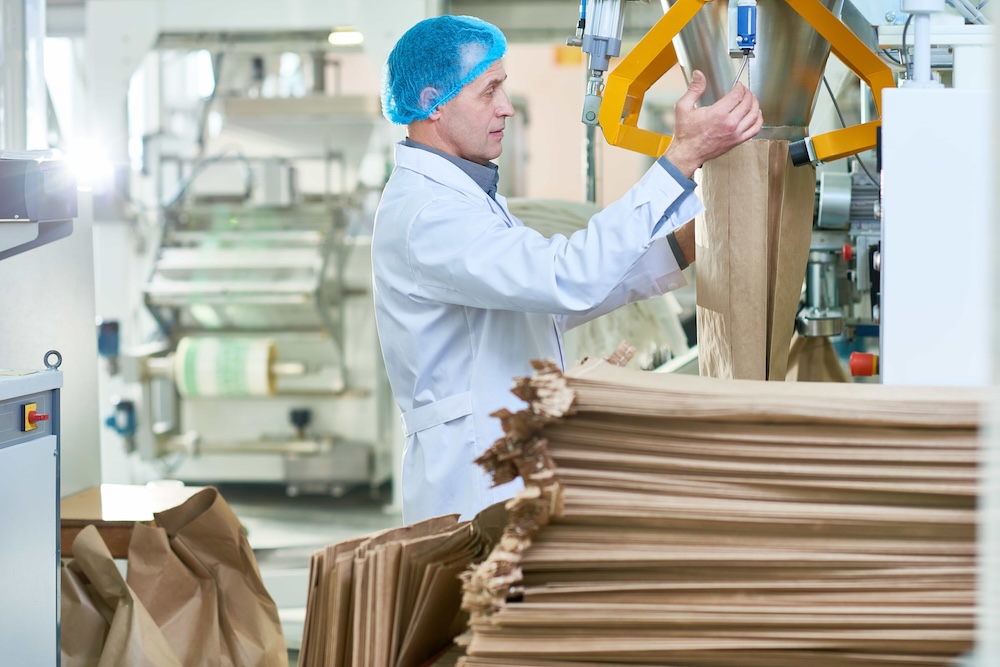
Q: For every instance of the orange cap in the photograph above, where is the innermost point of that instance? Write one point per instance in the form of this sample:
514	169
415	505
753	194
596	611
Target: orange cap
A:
863	364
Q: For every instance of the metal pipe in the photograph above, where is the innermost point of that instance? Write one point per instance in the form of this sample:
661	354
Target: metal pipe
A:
921	48
22	79
821	281
969	11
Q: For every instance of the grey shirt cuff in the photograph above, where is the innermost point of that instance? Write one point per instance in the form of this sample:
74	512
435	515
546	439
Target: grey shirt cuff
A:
675	247
681	179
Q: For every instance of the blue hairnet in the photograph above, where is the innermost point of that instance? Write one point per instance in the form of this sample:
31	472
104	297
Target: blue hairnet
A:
442	53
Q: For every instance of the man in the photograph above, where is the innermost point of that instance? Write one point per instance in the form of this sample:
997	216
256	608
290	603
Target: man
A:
466	295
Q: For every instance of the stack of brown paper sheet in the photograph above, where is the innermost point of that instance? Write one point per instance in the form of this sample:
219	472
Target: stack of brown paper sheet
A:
688	521
753	244
393	598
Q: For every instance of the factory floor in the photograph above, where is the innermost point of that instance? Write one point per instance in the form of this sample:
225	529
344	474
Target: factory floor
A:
284	531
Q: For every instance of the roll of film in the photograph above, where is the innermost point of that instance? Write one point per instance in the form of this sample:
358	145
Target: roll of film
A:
206	367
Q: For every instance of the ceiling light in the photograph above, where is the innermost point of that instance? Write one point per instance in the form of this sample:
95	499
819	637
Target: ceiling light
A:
345	37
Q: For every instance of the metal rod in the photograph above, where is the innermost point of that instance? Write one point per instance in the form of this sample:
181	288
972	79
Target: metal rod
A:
591	164
288	368
743	66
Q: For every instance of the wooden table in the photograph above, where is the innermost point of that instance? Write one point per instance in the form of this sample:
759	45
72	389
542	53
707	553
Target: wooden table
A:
115	509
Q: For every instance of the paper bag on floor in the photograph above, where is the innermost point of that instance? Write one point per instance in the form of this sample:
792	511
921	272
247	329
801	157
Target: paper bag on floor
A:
752	247
198	577
103	623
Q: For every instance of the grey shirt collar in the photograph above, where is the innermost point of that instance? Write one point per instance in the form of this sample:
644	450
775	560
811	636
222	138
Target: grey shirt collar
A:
486	175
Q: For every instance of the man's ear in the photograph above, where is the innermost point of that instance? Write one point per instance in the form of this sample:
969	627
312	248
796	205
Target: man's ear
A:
428	97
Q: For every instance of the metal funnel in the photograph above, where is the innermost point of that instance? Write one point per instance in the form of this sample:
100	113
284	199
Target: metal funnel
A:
785	74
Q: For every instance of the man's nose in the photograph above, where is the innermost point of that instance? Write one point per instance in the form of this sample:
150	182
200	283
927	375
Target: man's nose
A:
505	109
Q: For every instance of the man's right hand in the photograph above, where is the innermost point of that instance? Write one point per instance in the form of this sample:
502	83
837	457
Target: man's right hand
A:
705	133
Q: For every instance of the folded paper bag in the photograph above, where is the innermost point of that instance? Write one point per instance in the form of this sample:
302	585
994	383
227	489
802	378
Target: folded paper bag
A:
197	575
103	621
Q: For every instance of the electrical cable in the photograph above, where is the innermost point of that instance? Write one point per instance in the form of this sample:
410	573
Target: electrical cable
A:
891	62
903	52
885	52
836	107
891	57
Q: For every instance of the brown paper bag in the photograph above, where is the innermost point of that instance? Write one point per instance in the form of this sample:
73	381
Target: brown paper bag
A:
393	598
814	360
84	619
753	243
103	622
198	577
181	596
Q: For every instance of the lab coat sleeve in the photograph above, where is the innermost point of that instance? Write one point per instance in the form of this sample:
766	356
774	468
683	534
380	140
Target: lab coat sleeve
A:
651	277
658	272
655	274
461	253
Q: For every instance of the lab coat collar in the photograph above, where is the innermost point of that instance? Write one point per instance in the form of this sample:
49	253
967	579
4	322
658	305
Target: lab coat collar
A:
439	169
486	175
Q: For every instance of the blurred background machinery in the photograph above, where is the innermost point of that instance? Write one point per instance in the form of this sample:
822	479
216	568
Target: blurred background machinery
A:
259	359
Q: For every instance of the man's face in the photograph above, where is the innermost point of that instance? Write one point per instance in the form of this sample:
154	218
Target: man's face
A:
471	124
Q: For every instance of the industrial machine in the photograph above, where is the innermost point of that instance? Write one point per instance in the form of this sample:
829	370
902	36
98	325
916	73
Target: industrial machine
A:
784	47
37	206
29	513
257	358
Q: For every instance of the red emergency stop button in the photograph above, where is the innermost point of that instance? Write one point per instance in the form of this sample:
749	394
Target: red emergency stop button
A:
848	252
863	364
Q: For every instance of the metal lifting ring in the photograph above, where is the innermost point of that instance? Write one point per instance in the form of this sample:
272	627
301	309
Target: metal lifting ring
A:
53	366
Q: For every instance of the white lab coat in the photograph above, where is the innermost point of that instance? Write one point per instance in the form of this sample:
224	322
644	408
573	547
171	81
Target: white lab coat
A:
466	296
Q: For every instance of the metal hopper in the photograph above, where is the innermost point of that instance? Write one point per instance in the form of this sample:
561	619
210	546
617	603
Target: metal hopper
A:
785	73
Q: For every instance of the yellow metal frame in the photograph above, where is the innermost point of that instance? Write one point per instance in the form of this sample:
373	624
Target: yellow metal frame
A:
650	60
627	84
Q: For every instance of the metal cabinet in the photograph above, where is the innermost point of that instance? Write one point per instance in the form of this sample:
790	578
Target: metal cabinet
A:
29	517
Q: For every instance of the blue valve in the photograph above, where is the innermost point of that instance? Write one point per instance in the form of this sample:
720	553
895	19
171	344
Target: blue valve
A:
108	339
123	420
746	25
